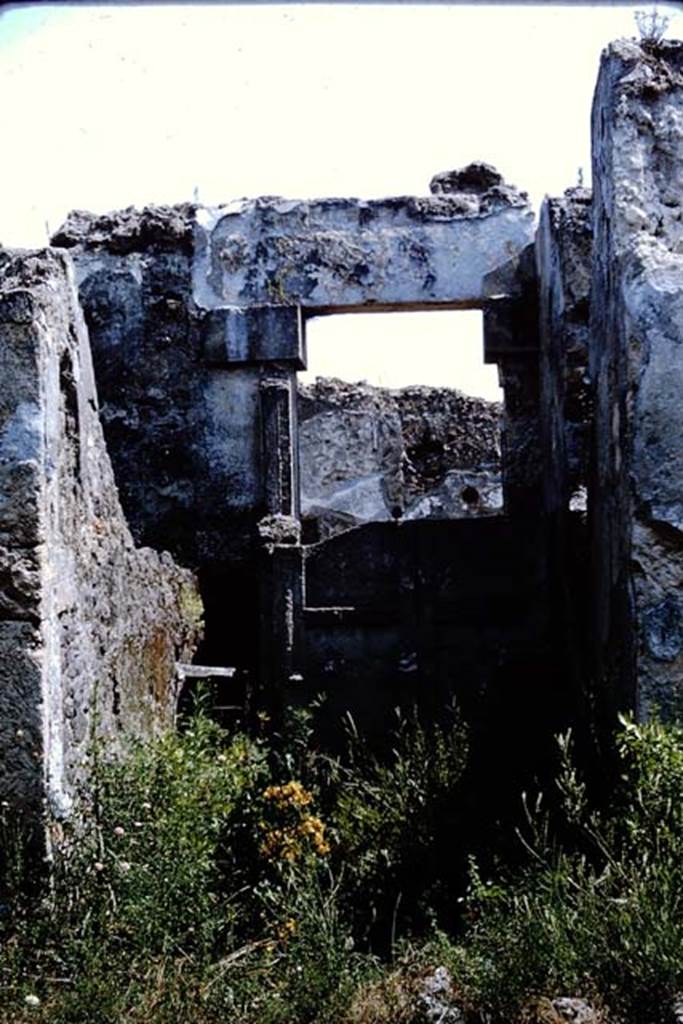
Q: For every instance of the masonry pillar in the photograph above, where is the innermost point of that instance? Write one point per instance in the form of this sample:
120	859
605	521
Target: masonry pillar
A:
563	263
280	536
563	260
282	595
279	531
268	341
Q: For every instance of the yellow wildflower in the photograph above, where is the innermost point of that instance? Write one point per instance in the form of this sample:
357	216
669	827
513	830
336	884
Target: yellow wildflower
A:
313	828
286	930
281	844
291	794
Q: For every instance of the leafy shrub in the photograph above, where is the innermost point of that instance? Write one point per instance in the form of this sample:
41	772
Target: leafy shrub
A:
136	888
196	885
601	916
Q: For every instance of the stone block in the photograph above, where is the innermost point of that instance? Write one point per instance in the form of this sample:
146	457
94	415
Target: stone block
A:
265	334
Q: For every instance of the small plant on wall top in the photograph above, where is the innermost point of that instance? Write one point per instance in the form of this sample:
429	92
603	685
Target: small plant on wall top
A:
651	25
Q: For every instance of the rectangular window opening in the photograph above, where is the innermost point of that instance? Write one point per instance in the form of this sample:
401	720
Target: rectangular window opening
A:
399	418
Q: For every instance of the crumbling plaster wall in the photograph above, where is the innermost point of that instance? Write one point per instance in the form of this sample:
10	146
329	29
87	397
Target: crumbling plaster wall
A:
563	259
563	262
637	372
90	626
511	333
182	434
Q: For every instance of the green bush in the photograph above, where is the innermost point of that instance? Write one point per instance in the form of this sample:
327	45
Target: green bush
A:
137	887
600	914
216	877
196	884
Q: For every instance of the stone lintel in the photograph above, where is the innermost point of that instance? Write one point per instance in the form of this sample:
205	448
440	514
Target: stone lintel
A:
260	334
352	253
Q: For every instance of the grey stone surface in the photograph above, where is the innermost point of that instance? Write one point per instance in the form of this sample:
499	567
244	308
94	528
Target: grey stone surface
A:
372	454
637	367
476	179
156	228
323	253
577	1011
463	494
259	335
563	262
511	328
436	998
90	626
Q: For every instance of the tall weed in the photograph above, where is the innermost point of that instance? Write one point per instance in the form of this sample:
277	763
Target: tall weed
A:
599	916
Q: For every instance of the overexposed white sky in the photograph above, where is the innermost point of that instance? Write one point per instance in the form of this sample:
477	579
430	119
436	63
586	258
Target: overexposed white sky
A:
110	106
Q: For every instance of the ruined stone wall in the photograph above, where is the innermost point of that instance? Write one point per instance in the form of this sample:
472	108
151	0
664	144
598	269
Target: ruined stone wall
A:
90	626
637	372
563	259
196	322
192	311
370	454
182	433
196	318
511	333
